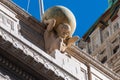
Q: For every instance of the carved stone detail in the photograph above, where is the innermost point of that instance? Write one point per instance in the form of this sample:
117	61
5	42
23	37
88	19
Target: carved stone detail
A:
15	69
37	56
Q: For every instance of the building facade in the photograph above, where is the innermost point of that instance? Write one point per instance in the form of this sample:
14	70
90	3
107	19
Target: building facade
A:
103	38
22	55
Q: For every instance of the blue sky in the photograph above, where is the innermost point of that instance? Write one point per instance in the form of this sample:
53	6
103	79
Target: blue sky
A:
85	11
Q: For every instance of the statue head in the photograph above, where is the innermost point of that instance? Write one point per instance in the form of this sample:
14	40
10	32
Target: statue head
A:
63	30
62	15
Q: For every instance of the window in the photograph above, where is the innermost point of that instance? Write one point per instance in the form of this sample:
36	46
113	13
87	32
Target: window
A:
101	56
82	44
115	50
89	49
116	26
104	59
95	42
106	34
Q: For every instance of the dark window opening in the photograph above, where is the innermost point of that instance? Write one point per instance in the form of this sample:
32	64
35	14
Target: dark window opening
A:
104	60
115	49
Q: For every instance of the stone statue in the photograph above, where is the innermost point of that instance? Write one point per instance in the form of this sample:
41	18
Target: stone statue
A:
57	39
58	33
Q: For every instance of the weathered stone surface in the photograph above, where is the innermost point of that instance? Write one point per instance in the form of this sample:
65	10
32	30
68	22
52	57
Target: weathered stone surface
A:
62	15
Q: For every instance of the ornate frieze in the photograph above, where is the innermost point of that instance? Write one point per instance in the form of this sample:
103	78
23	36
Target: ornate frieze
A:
16	69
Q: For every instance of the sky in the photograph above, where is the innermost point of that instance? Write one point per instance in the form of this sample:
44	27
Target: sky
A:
86	12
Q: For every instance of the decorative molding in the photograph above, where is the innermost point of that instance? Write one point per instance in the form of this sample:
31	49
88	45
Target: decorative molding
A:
37	54
16	69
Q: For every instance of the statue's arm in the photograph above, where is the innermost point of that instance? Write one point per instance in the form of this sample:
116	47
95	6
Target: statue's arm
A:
50	24
72	40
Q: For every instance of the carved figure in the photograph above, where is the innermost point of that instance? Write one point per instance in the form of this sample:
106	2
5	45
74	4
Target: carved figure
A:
62	15
60	24
57	39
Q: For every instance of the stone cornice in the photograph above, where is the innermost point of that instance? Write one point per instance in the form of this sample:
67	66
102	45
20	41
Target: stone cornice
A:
32	62
19	72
